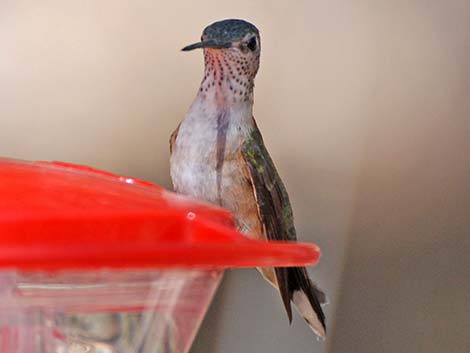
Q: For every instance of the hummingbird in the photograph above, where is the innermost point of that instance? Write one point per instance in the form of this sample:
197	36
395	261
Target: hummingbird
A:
218	156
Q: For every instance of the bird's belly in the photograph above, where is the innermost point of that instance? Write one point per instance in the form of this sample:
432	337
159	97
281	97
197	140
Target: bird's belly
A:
194	172
196	179
193	161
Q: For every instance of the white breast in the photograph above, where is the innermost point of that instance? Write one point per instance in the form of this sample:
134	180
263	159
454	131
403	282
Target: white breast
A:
193	161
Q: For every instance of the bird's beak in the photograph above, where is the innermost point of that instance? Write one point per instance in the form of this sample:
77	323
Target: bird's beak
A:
207	44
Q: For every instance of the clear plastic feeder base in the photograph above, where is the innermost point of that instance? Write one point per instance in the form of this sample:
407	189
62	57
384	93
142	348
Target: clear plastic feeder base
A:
103	311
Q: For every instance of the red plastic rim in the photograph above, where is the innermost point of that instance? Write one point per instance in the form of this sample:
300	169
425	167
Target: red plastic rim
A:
62	216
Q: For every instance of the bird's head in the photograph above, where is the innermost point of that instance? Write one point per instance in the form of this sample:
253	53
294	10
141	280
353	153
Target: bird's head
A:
231	51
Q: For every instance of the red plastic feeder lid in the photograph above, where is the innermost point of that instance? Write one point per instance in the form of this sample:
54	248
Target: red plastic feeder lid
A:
61	216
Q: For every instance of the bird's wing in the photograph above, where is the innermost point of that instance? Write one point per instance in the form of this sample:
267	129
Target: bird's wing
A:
275	214
173	137
274	207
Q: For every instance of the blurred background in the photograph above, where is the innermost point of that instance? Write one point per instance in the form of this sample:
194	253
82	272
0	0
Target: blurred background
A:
364	106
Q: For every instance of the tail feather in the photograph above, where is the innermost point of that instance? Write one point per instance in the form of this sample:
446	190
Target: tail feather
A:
322	298
295	286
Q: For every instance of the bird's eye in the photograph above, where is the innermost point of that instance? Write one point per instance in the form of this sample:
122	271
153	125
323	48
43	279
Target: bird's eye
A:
252	44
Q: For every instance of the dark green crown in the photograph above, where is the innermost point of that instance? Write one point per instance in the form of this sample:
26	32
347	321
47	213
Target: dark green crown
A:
228	31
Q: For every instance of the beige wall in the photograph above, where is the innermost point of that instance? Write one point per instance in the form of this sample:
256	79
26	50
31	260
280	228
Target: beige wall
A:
364	106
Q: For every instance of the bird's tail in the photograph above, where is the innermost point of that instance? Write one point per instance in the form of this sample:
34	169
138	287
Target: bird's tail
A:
307	298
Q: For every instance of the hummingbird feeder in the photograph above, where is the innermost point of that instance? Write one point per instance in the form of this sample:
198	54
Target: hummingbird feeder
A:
95	262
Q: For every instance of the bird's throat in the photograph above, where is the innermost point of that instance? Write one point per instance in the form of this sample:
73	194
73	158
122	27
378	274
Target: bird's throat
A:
227	80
